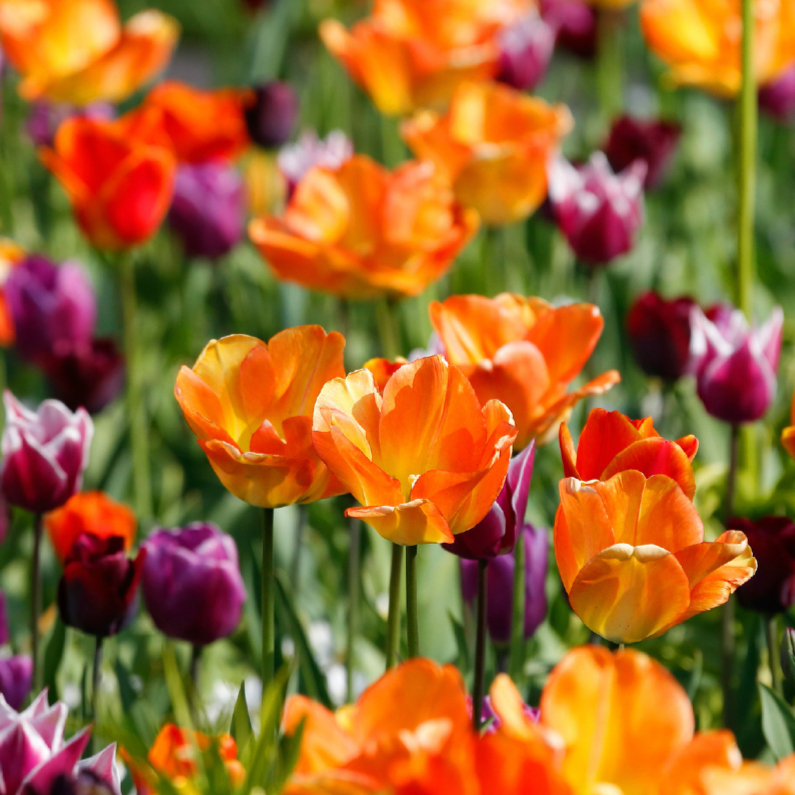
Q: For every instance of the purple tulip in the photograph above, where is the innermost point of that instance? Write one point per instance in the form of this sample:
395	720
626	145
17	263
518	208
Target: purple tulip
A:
44	453
192	584
5	635
735	365
575	23
272	115
296	160
208	209
46	117
598	211
49	303
496	534
16	679
35	760
526	49
777	99
499	585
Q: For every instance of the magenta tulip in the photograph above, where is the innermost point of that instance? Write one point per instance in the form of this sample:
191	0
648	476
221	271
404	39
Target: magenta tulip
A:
777	99
526	49
575	23
16	679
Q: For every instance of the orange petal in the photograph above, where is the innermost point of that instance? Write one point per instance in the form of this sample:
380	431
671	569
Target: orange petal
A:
319	210
568	453
685	773
605	435
409	524
788	440
690	446
201	407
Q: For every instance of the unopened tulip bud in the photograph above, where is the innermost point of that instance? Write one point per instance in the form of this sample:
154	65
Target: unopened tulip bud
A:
526	49
777	98
271	115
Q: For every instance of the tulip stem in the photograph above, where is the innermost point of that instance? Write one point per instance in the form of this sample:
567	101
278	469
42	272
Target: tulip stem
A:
479	685
95	676
388	328
268	633
412	617
728	641
773	652
35	604
517	616
354	584
393	617
609	64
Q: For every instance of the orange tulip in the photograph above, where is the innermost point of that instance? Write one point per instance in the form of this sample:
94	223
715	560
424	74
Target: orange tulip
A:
78	51
493	144
250	405
751	779
412	54
788	434
611	443
632	556
424	459
10	256
120	186
361	231
524	352
91	512
701	40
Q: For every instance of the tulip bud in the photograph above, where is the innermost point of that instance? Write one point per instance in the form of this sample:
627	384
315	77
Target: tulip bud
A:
98	592
777	99
208	209
599	212
16	679
788	659
735	365
296	160
525	52
659	335
45	117
654	142
192	584
575	23
271	116
44	453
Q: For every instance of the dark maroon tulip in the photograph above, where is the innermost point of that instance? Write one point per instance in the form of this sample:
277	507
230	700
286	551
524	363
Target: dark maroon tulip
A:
659	334
735	365
49	303
5	635
208	209
575	23
272	114
496	533
192	584
499	585
98	592
653	141
526	49
16	679
45	117
599	212
44	454
777	99
89	374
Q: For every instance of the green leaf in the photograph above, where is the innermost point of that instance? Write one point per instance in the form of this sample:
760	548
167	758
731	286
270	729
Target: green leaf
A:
461	642
53	654
778	723
126	690
241	728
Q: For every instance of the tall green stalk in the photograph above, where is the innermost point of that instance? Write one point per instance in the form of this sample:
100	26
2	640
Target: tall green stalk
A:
354	587
479	685
268	628
609	64
393	617
412	614
517	616
35	605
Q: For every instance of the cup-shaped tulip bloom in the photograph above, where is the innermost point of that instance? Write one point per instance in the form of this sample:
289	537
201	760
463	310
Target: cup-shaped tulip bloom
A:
493	144
652	141
736	365
297	160
777	98
524	352
271	114
80	52
208	209
611	443
659	334
526	49
632	556
360	231
49	304
701	41
192	584
98	591
16	679
44	453
598	212
409	54
122	203
424	458
250	406
575	23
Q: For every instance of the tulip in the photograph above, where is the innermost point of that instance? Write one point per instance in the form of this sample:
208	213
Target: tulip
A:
524	352
659	335
298	159
10	257
122	204
526	49
250	406
777	98
493	145
575	23
192	584
45	117
50	304
415	230
208	210
788	434
271	114
598	212
98	592
44	454
81	53
736	365
652	142
16	679
490	719
752	777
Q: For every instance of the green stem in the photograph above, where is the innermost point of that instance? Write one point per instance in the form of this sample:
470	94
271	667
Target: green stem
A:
393	618
412	617
354	585
773	654
517	616
35	605
609	64
95	678
388	328
479	686
728	640
268	632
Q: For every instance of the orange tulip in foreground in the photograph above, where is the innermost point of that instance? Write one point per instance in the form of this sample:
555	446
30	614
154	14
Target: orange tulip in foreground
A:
524	352
78	51
10	256
360	231
412	54
250	405
423	458
493	144
701	40
120	186
750	779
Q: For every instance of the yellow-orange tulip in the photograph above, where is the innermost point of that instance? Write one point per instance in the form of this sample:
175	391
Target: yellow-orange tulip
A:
632	556
524	352
788	434
701	40
412	54
250	406
493	144
751	779
423	458
361	231
78	51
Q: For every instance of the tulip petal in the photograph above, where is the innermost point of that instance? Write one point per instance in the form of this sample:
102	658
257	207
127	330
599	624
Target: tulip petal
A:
201	406
707	750
409	524
568	453
788	440
606	433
